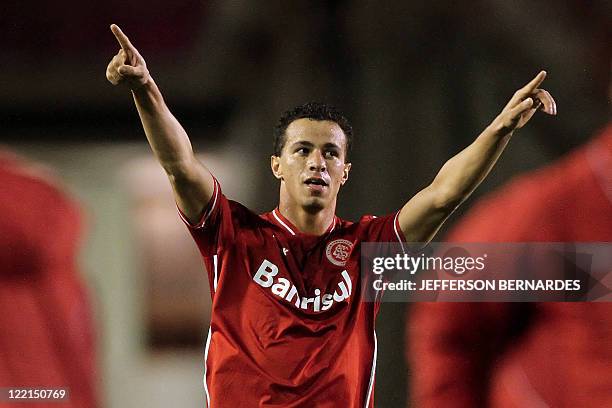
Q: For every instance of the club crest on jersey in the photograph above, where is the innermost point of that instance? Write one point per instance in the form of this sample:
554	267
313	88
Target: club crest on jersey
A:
338	251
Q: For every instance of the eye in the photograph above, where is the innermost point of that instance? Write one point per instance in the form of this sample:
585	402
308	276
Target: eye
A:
330	154
302	151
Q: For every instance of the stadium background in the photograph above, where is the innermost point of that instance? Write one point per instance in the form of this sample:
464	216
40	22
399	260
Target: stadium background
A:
418	82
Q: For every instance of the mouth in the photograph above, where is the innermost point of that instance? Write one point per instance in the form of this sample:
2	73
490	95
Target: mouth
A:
316	184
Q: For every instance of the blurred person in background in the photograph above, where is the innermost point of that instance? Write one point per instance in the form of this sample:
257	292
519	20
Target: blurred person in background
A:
262	350
46	331
511	355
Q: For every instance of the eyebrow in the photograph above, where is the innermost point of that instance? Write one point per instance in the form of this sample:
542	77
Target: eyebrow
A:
309	144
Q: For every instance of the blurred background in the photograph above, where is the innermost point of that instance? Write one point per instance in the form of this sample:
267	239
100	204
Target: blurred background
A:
418	81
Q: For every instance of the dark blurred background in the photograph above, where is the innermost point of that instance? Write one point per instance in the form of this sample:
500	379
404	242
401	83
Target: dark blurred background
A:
418	80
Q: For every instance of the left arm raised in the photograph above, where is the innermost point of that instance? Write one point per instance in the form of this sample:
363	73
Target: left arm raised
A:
424	214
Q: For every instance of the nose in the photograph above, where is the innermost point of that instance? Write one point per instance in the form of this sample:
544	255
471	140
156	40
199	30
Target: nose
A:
316	161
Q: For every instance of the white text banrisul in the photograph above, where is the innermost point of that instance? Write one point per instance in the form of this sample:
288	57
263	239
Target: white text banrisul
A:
283	288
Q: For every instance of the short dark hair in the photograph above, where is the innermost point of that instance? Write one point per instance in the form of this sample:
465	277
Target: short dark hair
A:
314	111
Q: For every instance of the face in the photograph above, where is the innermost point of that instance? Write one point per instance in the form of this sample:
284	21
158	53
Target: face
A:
312	165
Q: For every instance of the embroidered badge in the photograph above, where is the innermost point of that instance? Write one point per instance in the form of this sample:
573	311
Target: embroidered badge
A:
338	251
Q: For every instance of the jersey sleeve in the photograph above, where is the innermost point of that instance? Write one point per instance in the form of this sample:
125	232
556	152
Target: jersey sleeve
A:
382	229
217	232
215	227
389	238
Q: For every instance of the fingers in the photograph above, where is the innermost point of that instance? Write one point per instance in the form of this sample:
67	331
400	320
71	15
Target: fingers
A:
525	103
520	95
127	67
516	117
526	114
111	69
127	74
112	75
533	84
521	108
548	103
125	43
117	70
128	70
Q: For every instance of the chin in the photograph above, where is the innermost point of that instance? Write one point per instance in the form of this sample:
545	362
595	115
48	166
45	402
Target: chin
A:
314	205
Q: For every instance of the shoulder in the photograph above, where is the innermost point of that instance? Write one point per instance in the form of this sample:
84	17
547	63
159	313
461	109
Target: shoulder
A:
373	227
245	217
369	219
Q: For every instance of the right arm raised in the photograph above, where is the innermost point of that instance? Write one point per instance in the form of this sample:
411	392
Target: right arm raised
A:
192	183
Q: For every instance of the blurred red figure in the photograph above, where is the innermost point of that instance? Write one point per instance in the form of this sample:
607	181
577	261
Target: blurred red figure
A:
506	355
46	335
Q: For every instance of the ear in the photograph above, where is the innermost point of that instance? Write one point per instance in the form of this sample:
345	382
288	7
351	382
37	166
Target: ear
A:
275	165
345	173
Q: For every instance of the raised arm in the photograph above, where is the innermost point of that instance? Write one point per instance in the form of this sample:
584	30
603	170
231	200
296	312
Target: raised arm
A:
425	213
192	183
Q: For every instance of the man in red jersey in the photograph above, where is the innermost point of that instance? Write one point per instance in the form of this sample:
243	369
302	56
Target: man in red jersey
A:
511	355
288	328
47	336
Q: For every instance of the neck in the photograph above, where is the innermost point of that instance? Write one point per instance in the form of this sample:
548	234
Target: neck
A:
308	222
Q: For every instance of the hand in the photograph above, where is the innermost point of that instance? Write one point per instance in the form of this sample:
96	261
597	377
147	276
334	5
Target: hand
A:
127	68
524	103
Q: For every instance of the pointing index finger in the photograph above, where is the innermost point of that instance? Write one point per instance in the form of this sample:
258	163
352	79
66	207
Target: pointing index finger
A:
125	43
534	83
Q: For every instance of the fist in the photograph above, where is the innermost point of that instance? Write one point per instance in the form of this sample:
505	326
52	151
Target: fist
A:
127	67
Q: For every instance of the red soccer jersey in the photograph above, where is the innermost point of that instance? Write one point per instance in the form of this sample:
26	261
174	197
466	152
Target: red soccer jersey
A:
47	334
288	326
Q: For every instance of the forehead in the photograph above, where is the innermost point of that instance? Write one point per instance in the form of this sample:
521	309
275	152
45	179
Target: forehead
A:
317	132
